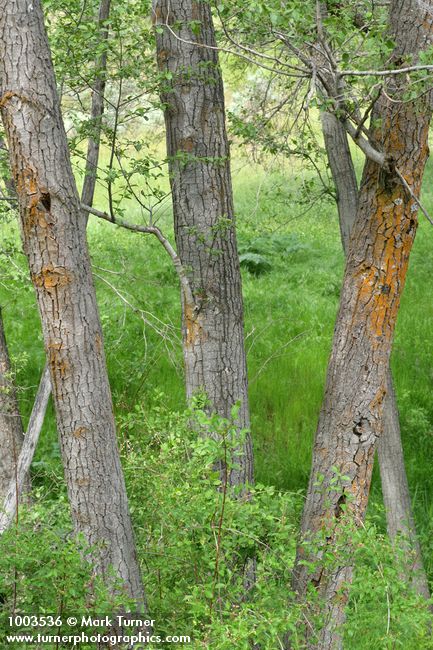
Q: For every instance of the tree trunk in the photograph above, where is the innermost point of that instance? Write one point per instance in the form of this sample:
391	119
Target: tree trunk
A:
395	488
96	111
351	418
17	483
11	426
343	174
199	160
54	239
396	495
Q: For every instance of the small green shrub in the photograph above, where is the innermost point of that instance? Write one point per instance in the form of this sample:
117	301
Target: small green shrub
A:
198	541
260	254
44	572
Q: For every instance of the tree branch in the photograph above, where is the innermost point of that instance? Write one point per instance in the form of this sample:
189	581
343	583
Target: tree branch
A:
365	146
151	230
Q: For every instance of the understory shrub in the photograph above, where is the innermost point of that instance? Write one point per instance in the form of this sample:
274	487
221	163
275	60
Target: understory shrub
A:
199	541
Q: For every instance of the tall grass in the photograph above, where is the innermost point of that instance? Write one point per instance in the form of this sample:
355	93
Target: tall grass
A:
289	317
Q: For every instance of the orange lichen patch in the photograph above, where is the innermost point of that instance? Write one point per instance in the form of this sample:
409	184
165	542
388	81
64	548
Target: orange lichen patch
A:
98	341
186	144
193	325
195	11
37	200
80	432
59	365
358	458
395	142
380	284
378	398
10	94
26	181
54	345
162	57
83	482
52	276
368	278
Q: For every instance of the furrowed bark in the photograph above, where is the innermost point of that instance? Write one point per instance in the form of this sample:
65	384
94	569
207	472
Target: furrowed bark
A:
396	496
351	418
11	498
54	240
395	488
96	112
199	160
11	426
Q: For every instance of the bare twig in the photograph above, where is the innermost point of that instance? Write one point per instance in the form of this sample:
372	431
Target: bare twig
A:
150	230
412	194
384	73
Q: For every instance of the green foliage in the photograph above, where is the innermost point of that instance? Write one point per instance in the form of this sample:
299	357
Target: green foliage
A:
258	255
43	570
197	539
180	523
254	262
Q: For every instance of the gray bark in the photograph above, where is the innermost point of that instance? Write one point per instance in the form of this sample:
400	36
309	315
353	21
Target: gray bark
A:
11	427
54	240
395	488
351	418
199	160
396	496
96	112
12	496
343	174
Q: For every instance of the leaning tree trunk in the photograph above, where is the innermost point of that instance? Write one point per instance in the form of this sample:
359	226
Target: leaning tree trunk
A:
396	495
395	488
11	427
54	239
97	110
11	498
351	418
199	159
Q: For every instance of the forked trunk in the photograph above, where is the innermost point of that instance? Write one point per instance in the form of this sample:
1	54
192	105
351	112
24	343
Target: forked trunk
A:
395	488
351	417
199	159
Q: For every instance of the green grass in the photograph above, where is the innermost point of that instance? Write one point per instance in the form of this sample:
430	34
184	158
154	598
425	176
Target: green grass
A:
289	319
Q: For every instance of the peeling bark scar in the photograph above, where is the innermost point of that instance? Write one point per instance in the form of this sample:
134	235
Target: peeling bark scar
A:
51	277
80	432
186	145
59	365
98	342
83	482
195	332
37	200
